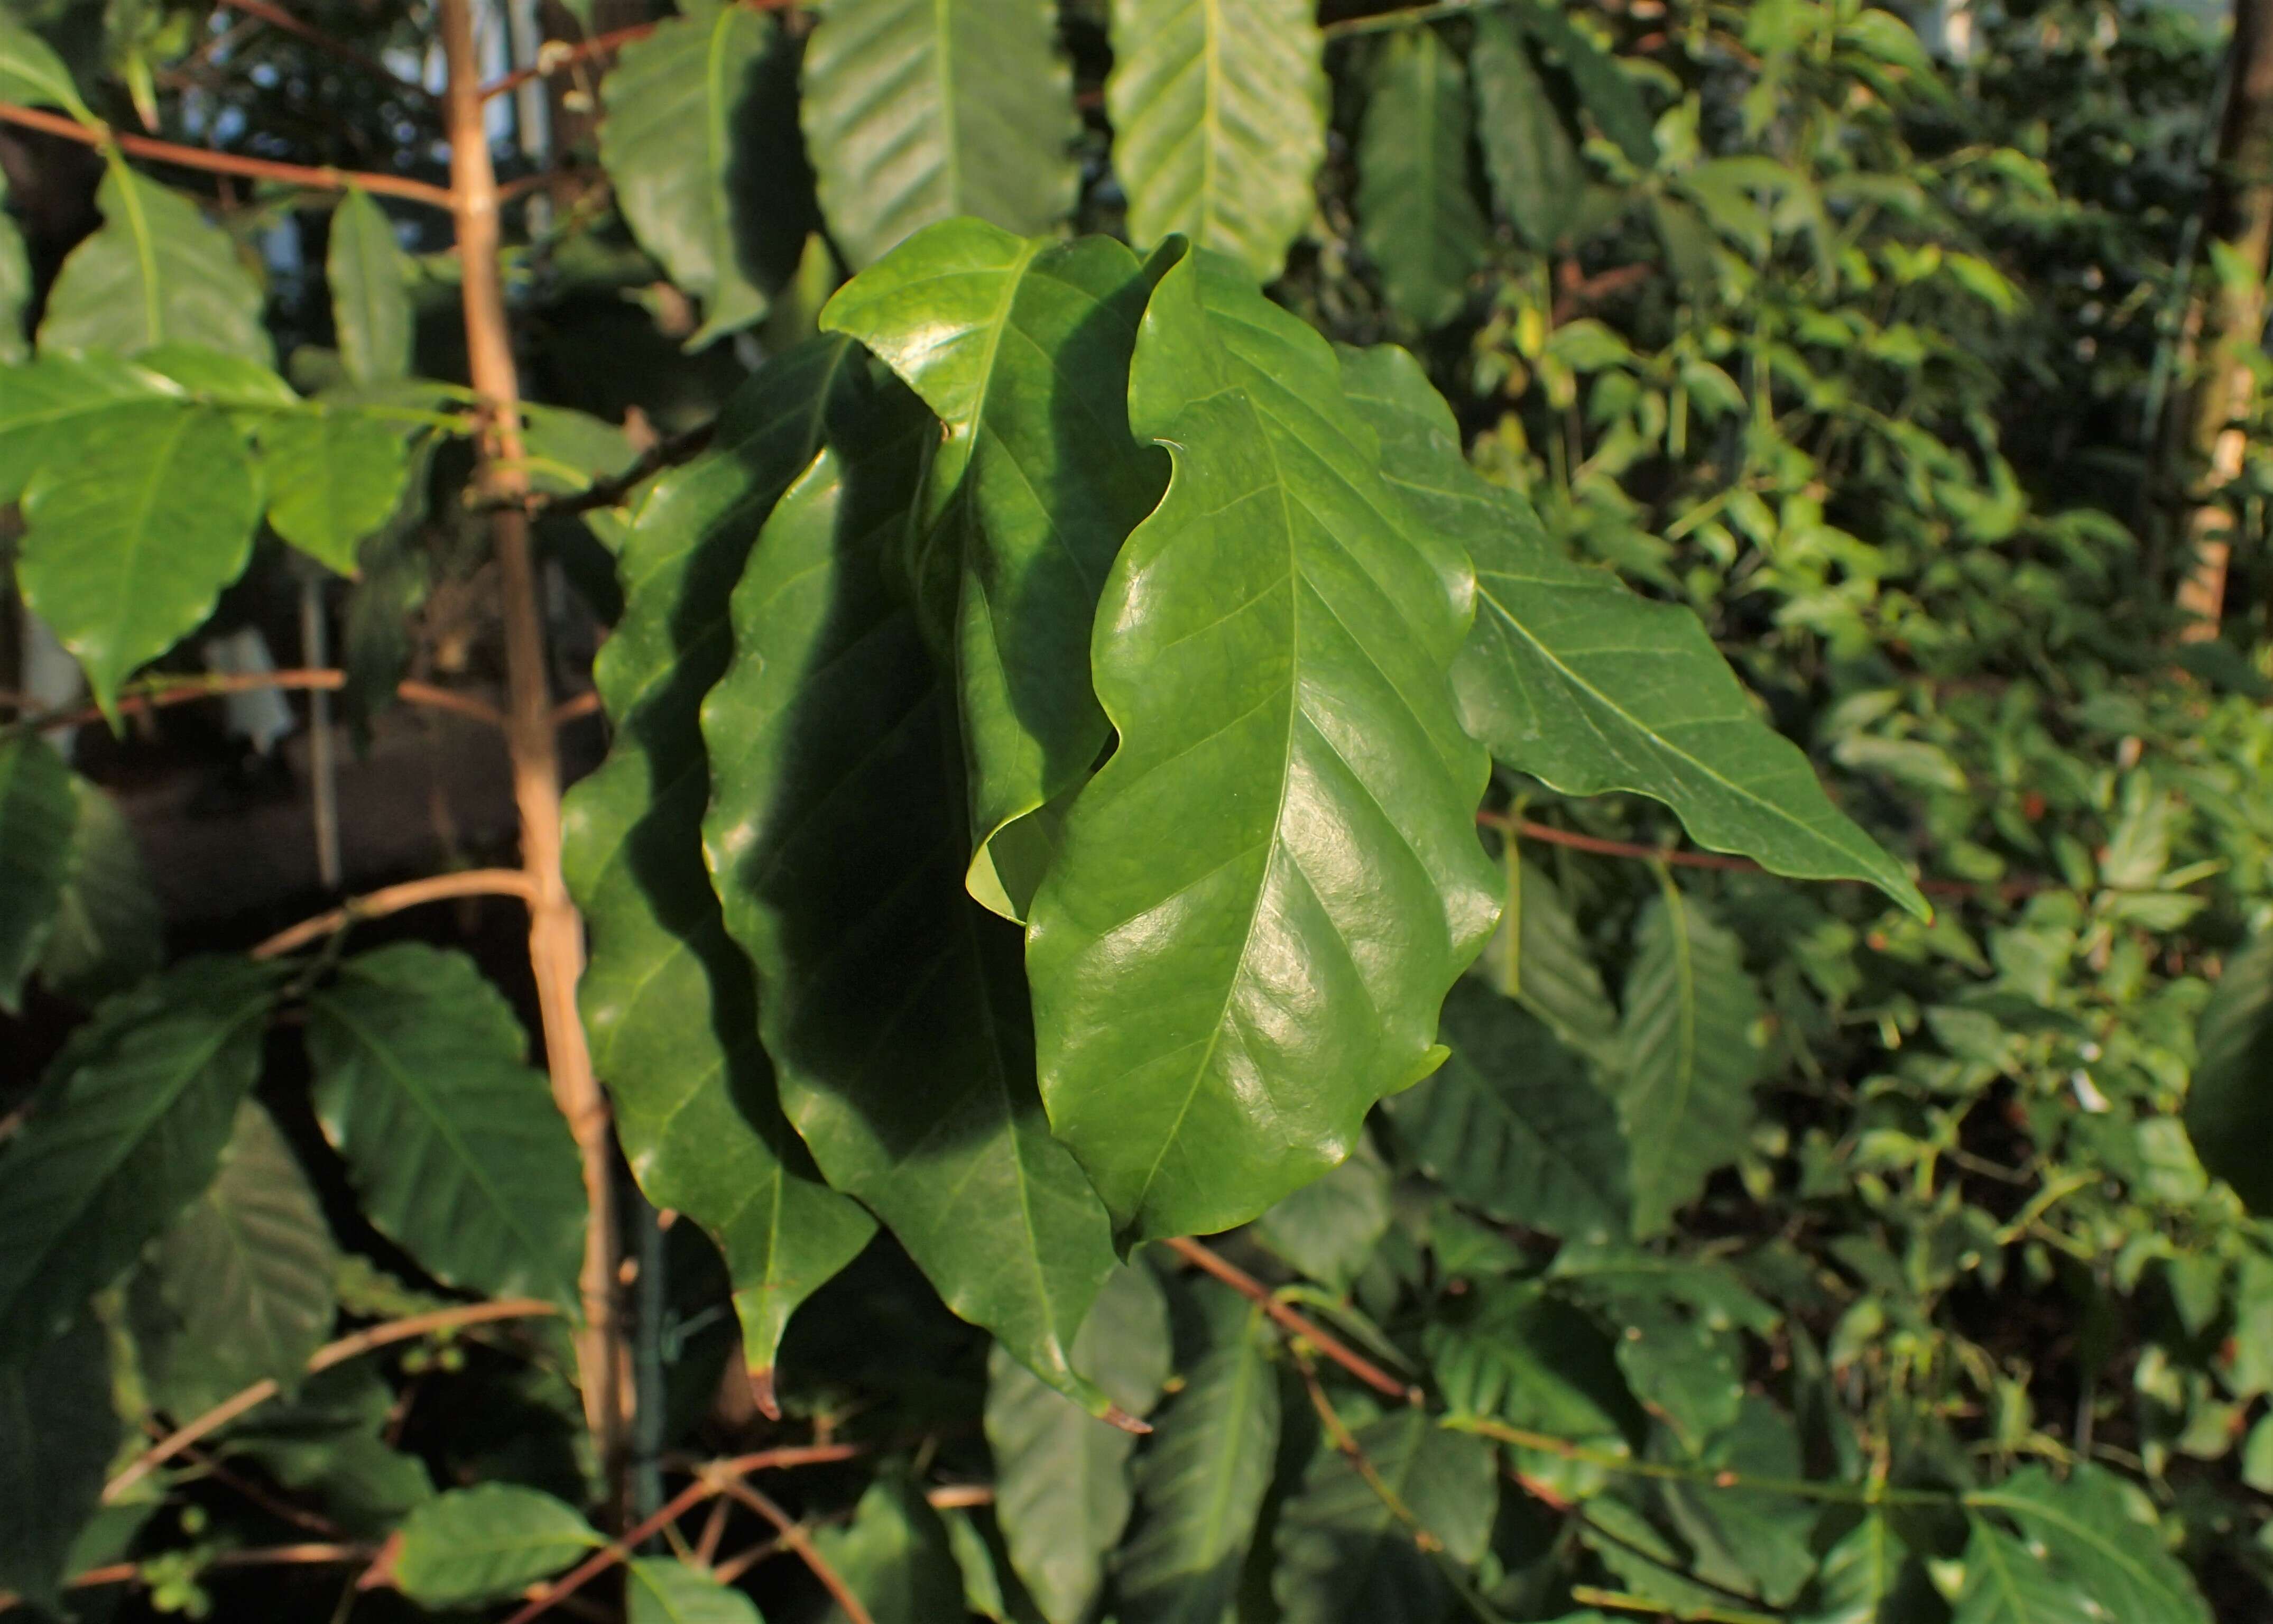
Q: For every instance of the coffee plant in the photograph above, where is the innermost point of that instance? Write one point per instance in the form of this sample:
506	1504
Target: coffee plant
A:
1189	987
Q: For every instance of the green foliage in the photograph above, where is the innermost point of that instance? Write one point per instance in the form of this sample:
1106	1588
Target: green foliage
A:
36	818
486	1543
369	277
156	272
1422	224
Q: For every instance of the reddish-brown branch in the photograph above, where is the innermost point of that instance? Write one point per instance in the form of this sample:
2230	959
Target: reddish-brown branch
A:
324	179
268	1556
277	17
184	690
393	900
1295	1324
794	1536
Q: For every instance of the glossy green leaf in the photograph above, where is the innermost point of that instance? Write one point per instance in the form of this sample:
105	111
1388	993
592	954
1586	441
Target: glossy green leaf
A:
450	1138
486	1543
32	75
1685	1091
129	540
895	1557
691	109
1602	86
1514	1126
2230	1103
916	112
2111	1547
658	1589
127	1130
1556	643
1537	176
1345	1556
1061	1476
1260	901
47	407
1417	210
369	279
156	272
109	931
1219	116
57	1433
241	1279
336	476
667	998
1200	1485
2006	1582
38	815
1021	348
893	1008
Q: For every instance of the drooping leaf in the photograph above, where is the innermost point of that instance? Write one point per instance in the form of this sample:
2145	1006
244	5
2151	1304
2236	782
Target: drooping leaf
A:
241	1279
895	1557
38	815
1539	957
156	272
658	1589
57	1432
1685	1090
1219	122
1868	1578
336	476
129	540
1602	86
1346	1554
1258	903
127	1130
1513	1125
1537	176
1417	210
32	75
1201	1484
1555	644
450	1138
1329	1227
486	1543
893	1008
916	112
1061	1476
109	931
369	279
696	141
1021	348
2230	1103
2006	1582
667	998
45	407
2111	1548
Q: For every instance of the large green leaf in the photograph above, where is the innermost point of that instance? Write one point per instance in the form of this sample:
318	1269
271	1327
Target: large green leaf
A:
242	1281
336	476
1200	1485
1513	1125
2006	1582
1537	176
1416	207
1218	111
917	111
2230	1103
57	1433
38	815
897	1557
1061	1476
156	272
1020	347
109	931
1345	1556
127	1130
450	1138
47	407
486	1543
31	74
1570	676
2111	1547
1260	901
370	278
129	540
660	1589
668	998
893	1006
694	117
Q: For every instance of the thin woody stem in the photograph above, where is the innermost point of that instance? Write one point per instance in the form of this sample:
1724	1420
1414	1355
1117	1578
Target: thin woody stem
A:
1293	1323
184	690
393	900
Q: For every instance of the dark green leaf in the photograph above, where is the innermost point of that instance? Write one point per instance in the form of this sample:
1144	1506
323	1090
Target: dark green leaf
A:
38	816
2230	1104
336	476
658	1589
15	293
156	272
1540	959
2006	1582
1869	1578
450	1138
1537	176
895	1557
1747	1540
1418	213
328	1442
127	1130
1328	1229
110	931
57	1432
1608	94
486	1543
1515	1353
1216	994
370	278
2109	1545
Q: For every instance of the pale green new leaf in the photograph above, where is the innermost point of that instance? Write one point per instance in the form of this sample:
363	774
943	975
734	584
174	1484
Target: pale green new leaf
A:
32	75
1345	1556
2006	1582
667	998
2230	1103
369	279
127	1130
1536	174
1513	1125
895	1557
129	540
1218	111
2110	1546
38	815
1021	348
486	1543
336	476
1061	1476
1570	676
916	112
658	1589
450	1137
57	1433
1417	212
156	272
1258	903
893	1008
1200	1485
110	931
1684	1089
